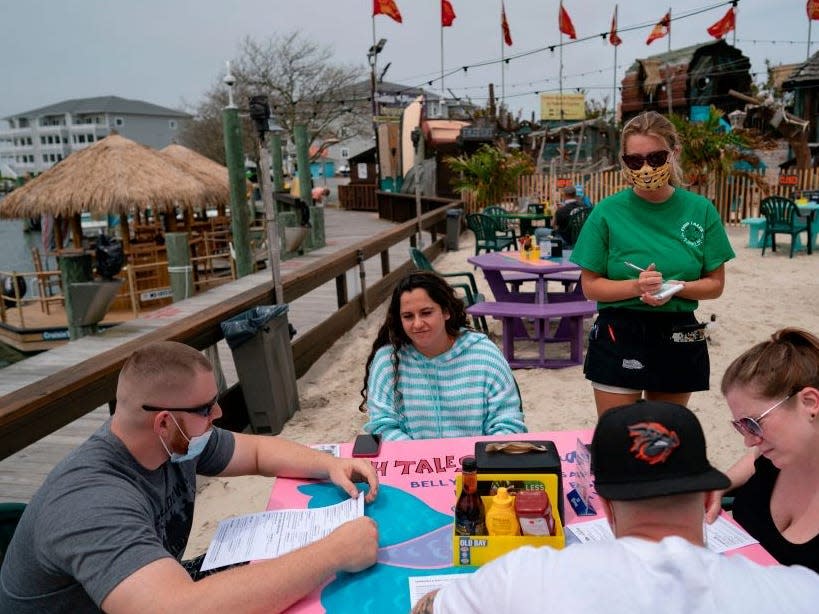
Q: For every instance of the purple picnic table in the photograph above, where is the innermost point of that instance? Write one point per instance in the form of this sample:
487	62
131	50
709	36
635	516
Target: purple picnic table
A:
494	264
512	307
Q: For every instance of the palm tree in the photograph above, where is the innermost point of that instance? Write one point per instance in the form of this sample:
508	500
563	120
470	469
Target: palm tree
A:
489	174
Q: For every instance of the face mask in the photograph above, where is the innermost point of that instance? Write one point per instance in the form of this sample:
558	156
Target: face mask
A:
648	178
195	445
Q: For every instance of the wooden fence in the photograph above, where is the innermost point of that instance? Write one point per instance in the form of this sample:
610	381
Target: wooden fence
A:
735	196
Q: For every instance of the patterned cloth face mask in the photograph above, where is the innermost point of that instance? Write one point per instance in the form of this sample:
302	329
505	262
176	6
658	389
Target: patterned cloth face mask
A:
650	172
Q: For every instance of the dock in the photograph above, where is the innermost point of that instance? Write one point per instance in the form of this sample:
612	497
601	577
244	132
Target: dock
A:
22	473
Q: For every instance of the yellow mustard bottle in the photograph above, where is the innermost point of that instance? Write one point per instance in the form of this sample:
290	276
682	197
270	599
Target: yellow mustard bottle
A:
501	518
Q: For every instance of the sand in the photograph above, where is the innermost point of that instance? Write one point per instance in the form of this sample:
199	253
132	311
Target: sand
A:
761	295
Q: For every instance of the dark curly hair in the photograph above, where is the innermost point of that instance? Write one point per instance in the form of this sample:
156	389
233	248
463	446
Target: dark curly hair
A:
392	331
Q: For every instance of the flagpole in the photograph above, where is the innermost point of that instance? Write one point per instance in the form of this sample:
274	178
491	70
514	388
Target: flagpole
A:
503	61
614	87
734	43
560	78
442	61
810	22
614	73
669	28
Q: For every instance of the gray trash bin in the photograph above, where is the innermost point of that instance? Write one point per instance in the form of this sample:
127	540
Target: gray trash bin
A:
259	339
453	228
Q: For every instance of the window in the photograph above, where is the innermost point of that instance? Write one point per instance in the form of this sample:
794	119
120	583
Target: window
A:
345	152
42	140
59	157
118	121
90	138
172	124
81	138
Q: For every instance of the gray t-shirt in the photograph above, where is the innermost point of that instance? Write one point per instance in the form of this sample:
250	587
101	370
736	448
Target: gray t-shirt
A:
99	517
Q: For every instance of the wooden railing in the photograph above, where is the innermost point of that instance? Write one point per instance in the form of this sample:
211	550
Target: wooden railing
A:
40	408
359	196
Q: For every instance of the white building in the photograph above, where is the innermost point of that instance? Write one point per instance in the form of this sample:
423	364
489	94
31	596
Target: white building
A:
36	140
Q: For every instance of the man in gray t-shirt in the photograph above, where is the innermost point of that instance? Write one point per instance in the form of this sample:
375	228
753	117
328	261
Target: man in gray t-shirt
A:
110	523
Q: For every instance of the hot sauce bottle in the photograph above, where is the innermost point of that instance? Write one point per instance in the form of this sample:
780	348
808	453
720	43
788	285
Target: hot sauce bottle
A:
469	510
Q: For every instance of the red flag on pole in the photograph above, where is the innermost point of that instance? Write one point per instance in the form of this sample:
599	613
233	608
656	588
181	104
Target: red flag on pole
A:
447	14
507	36
388	8
614	39
565	23
724	25
662	29
812	7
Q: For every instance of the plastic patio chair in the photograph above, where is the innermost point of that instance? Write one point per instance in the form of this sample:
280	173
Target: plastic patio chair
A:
781	218
470	290
486	234
505	229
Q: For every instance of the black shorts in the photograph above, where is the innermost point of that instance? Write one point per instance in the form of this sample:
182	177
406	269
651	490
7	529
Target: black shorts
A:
644	350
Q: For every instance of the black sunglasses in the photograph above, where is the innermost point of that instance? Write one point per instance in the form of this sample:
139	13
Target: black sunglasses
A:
201	410
655	159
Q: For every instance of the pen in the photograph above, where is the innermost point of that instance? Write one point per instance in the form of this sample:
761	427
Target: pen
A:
633	266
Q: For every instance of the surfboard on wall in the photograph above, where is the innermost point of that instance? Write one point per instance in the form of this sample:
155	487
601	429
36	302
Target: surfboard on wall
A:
410	119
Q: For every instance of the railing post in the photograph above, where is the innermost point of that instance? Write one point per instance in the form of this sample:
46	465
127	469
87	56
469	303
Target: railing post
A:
362	276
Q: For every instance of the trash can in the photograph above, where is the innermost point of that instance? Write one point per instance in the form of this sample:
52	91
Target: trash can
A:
259	340
453	228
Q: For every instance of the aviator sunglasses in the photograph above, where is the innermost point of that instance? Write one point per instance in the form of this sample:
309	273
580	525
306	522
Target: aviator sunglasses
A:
752	426
655	159
200	410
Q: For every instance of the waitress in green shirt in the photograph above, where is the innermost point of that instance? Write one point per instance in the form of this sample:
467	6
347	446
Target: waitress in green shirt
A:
648	343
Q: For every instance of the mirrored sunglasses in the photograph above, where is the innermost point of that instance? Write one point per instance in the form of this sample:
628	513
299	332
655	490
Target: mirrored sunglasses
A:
655	159
751	426
200	410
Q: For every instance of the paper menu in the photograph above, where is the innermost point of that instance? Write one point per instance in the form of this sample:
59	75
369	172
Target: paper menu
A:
267	535
721	536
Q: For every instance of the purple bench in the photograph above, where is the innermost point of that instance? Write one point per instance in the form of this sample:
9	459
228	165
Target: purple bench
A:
570	328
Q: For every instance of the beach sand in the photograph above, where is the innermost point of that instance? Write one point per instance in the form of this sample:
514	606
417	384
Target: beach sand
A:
761	295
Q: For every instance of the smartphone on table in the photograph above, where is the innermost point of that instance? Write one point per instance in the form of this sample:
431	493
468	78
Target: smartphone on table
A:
366	445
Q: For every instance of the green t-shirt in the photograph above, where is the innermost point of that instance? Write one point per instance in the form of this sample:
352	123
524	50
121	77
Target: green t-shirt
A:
684	237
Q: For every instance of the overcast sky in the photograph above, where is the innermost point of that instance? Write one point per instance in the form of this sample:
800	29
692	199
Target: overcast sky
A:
169	52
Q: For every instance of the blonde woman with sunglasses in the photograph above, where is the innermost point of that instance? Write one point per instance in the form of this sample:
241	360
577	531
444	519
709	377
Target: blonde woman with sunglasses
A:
773	393
648	255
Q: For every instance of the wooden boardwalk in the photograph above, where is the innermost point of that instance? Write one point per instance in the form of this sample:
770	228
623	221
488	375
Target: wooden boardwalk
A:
22	473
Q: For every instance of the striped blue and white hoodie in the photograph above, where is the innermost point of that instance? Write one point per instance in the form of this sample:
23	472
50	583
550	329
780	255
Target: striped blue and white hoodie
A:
467	391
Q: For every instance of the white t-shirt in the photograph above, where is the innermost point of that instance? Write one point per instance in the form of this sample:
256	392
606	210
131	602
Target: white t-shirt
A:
630	575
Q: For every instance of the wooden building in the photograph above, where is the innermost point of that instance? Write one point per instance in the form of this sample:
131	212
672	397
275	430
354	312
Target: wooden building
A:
699	75
804	83
360	192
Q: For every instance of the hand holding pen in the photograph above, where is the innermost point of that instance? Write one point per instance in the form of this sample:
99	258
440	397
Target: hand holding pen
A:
654	290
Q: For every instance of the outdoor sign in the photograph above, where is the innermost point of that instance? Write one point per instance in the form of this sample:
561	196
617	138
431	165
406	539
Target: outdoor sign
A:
574	107
562	182
478	133
788	180
155	295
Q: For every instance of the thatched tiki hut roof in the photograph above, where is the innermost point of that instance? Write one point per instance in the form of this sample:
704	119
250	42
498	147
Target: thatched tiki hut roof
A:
203	165
209	172
114	175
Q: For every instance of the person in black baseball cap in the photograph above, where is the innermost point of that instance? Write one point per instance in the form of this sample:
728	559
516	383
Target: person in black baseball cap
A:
651	449
654	481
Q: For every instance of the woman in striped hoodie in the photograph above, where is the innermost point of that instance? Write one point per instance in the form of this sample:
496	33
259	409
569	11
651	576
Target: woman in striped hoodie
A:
430	376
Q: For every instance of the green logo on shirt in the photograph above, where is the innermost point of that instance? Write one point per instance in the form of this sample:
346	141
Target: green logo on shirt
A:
692	234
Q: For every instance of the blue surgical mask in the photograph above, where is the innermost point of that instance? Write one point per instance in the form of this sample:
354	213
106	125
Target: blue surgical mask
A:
195	445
